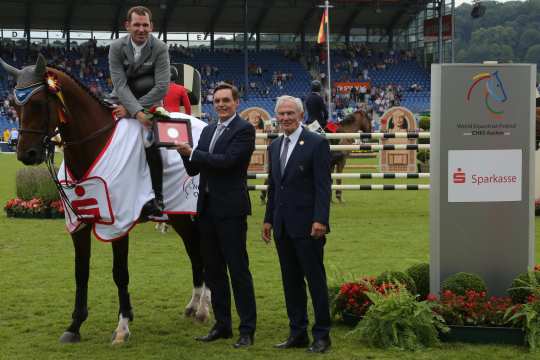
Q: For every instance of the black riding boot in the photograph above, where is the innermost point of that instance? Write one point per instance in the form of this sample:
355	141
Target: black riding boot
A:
154	207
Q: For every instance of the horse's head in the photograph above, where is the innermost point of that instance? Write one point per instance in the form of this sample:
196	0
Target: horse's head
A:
495	88
36	109
363	121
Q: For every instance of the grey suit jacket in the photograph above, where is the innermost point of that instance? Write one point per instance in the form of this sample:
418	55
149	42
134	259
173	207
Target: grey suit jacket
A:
151	72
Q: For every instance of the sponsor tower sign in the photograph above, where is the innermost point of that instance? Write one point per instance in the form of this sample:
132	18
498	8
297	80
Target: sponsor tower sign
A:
482	172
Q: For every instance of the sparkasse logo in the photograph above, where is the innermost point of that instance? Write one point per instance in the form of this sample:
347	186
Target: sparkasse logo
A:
459	176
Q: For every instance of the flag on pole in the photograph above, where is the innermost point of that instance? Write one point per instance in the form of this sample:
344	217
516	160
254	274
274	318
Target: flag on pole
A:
321	38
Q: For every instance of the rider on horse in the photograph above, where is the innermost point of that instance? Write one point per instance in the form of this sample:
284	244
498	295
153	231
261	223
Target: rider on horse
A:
140	72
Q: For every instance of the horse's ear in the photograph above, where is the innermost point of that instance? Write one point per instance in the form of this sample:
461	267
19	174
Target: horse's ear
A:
41	66
10	69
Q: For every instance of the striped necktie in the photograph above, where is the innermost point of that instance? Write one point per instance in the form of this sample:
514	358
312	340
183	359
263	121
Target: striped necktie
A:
283	157
217	134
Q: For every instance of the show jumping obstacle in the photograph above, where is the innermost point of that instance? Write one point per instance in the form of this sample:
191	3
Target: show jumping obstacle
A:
363	147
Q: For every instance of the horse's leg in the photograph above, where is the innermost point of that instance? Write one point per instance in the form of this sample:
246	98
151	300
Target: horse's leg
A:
121	279
81	244
339	169
332	166
262	196
199	305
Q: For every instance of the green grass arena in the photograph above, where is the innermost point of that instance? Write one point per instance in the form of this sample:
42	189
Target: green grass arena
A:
372	231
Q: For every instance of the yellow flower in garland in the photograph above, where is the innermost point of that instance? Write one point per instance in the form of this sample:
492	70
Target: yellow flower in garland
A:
52	82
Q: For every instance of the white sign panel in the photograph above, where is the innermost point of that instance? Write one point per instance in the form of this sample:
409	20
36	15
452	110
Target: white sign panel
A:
484	175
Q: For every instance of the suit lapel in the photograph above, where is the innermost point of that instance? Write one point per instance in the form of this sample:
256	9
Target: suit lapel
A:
205	144
294	155
275	157
128	50
227	133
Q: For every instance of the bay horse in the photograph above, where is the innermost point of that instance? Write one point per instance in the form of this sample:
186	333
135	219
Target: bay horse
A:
89	127
352	123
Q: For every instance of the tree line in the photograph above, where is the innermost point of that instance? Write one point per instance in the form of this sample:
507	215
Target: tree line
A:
508	32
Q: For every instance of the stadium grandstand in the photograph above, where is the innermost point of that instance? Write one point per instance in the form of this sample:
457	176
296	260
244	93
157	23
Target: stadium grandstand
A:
266	48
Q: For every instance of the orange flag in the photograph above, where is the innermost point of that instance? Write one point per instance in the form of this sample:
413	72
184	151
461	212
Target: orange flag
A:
321	38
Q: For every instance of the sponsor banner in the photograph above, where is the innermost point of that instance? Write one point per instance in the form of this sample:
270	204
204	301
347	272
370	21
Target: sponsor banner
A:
484	175
431	28
345	87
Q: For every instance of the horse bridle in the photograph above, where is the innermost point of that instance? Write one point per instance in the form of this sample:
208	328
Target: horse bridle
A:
22	95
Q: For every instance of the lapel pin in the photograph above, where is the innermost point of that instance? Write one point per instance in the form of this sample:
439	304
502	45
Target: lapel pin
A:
301	142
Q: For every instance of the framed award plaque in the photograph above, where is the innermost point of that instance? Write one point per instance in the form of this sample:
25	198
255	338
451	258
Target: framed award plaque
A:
167	131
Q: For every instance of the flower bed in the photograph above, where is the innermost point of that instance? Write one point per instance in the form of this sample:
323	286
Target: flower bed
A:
35	208
352	302
459	315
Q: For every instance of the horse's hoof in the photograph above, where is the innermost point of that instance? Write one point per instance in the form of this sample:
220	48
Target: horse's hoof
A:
118	338
69	337
202	316
190	312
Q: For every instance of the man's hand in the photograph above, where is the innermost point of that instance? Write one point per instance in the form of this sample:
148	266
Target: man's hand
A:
318	230
120	112
143	119
183	148
267	232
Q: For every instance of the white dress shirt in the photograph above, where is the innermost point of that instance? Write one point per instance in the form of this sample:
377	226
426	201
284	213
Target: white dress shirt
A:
225	123
137	49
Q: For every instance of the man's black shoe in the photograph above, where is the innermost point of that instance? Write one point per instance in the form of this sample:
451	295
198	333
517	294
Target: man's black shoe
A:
215	334
320	345
244	340
151	208
298	341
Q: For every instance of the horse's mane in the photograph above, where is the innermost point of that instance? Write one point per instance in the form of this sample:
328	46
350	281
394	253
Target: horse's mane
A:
349	119
81	85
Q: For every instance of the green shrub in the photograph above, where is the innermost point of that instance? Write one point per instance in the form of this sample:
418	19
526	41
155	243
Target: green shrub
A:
35	182
460	282
424	123
420	275
423	156
521	287
527	315
397	277
397	320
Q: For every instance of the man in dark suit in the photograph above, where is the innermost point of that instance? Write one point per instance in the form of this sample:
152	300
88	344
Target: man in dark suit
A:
140	71
316	109
299	189
221	158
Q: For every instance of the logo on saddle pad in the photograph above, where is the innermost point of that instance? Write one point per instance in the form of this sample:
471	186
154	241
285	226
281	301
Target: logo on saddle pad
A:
90	200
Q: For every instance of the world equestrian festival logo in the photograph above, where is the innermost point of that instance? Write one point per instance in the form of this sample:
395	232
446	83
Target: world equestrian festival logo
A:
493	91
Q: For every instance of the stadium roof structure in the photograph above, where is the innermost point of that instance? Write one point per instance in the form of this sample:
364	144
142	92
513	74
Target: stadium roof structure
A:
210	16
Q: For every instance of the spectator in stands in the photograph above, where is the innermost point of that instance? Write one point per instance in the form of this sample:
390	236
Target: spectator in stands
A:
210	97
140	71
6	135
354	94
363	91
14	138
316	109
177	95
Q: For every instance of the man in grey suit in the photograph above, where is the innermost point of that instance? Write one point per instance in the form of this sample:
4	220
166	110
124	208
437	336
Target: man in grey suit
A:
140	71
